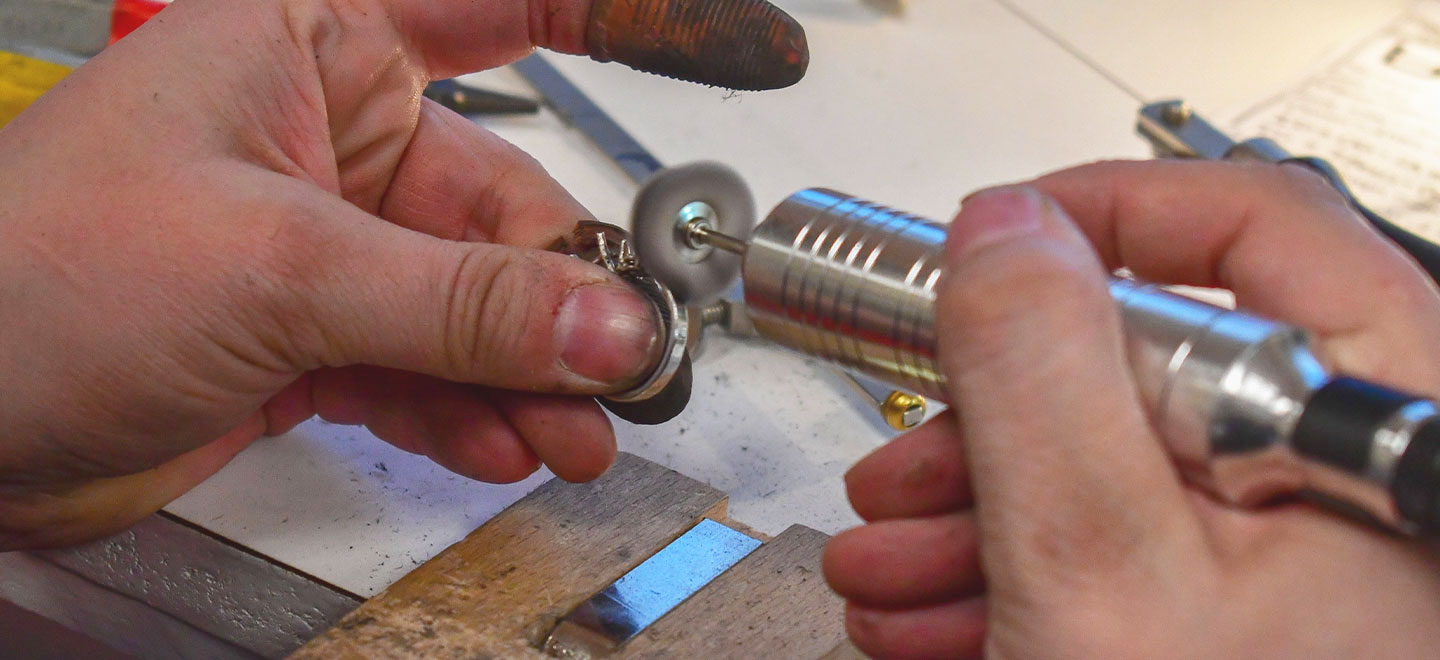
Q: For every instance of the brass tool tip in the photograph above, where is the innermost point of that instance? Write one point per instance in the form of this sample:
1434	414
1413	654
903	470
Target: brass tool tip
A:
737	44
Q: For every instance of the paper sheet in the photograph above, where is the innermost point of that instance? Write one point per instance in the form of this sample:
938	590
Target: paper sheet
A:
1375	114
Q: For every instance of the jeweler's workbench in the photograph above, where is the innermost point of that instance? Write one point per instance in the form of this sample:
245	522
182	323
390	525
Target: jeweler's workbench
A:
914	109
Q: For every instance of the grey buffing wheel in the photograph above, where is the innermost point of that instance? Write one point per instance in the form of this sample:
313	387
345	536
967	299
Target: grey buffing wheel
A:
662	209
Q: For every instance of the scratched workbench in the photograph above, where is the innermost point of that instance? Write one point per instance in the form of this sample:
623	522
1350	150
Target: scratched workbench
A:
911	109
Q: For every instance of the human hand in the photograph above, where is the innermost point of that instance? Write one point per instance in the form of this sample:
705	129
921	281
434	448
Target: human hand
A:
1042	518
245	214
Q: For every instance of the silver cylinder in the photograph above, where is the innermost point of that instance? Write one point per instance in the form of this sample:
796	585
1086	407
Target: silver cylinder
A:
851	282
1224	388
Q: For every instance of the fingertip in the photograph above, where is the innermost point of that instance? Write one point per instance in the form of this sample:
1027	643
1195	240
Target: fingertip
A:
497	454
571	435
905	563
453	424
586	468
919	473
948	631
847	564
835	562
858	494
993	216
595	467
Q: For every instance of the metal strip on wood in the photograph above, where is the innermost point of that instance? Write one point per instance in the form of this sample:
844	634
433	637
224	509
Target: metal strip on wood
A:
500	591
774	603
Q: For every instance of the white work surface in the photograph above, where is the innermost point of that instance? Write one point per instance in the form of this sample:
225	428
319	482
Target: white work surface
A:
913	110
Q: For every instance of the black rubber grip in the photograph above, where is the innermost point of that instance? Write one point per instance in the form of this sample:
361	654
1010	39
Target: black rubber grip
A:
1417	479
1340	421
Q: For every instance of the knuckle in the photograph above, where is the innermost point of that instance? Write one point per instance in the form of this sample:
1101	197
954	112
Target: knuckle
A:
477	306
549	209
1305	184
499	304
285	237
288	242
267	270
283	273
1399	281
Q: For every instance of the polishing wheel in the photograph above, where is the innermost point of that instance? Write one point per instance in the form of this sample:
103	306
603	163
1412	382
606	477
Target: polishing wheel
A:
666	209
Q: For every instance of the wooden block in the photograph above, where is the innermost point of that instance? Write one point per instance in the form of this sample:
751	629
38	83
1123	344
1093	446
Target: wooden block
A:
773	604
497	592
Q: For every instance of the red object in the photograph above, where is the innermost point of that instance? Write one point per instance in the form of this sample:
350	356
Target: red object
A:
131	14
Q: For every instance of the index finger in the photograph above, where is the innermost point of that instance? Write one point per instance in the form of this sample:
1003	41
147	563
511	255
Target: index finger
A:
1280	237
737	44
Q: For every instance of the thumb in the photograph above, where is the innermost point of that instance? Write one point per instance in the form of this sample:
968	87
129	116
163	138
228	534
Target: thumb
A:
1067	474
495	315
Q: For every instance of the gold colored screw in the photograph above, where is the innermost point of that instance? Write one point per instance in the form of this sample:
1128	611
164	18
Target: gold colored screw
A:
903	410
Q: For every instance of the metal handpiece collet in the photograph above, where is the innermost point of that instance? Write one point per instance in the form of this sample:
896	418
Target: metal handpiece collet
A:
1245	407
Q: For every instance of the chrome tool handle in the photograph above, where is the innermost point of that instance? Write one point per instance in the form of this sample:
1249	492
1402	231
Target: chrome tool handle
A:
1243	404
851	282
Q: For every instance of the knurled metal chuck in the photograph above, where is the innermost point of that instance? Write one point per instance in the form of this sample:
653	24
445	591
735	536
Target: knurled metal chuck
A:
665	390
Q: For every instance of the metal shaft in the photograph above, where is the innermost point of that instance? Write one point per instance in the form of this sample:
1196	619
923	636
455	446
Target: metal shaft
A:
704	234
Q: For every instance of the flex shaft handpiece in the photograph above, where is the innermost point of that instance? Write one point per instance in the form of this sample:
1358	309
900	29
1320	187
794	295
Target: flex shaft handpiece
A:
1244	405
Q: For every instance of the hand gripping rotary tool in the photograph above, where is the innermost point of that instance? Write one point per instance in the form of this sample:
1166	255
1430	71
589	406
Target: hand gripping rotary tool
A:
1247	410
